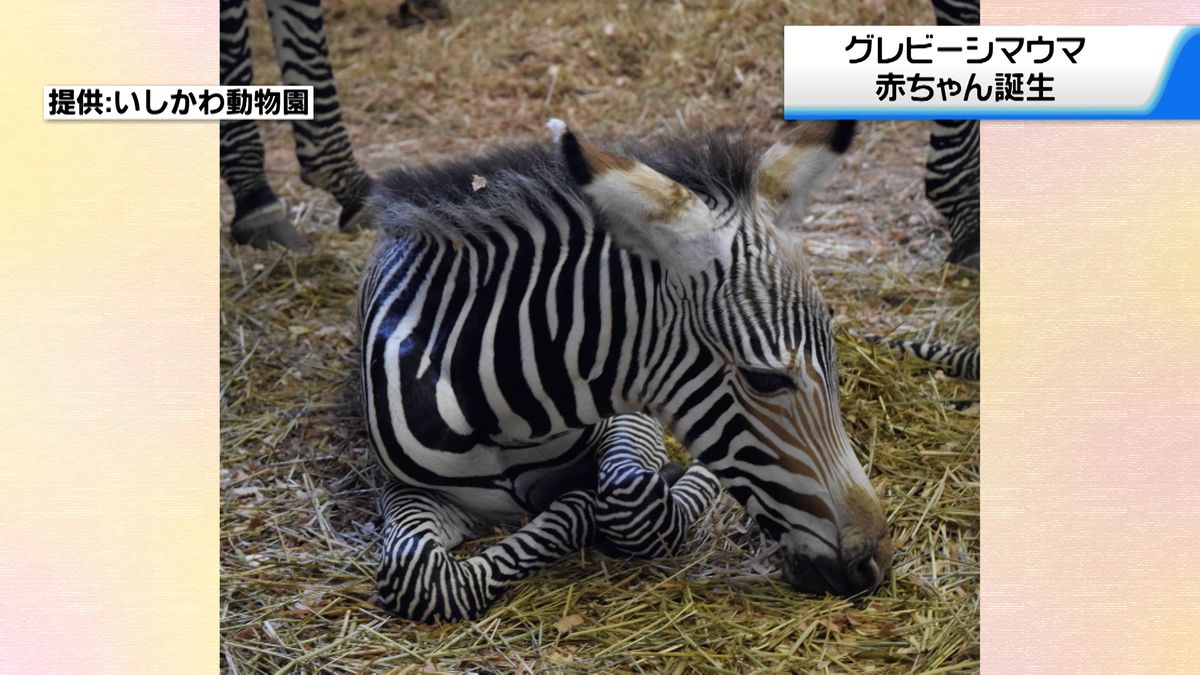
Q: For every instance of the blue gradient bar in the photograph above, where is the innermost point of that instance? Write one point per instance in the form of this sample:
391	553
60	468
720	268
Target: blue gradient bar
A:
1177	98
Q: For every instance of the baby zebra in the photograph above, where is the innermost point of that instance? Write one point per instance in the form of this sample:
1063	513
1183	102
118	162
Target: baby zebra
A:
534	318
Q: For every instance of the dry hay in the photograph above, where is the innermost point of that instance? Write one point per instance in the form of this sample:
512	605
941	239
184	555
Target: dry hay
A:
299	525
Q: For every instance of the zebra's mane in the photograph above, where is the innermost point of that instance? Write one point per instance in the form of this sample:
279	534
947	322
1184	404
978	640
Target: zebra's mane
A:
449	200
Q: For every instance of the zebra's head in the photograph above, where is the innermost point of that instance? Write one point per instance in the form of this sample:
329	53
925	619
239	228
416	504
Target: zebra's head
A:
747	375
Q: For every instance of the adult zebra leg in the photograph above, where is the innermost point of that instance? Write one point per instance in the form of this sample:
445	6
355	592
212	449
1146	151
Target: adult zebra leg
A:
645	507
952	185
952	168
322	143
418	577
258	217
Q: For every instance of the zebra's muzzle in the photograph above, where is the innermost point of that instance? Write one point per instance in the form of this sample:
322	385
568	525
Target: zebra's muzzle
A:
847	575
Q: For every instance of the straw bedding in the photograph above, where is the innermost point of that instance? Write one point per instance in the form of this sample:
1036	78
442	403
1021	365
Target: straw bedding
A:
299	526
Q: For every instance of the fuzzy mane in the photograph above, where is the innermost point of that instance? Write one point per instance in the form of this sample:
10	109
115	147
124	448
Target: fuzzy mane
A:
443	199
722	163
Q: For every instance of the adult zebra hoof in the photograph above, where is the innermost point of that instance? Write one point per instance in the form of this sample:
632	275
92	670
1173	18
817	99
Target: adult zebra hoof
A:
354	215
265	225
969	261
419	13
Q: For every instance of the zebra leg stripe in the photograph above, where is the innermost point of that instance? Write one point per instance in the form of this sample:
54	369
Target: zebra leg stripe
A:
952	169
639	512
419	579
242	155
952	185
961	362
956	12
322	143
258	216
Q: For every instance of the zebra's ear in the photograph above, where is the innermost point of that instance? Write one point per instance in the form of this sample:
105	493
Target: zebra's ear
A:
797	164
646	212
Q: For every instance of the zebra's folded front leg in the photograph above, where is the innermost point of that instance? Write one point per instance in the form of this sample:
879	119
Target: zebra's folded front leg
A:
418	577
645	507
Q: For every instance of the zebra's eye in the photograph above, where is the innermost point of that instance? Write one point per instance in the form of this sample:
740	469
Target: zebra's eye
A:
766	382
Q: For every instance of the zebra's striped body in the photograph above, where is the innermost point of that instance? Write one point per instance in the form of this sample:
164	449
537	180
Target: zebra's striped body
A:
322	144
952	168
524	336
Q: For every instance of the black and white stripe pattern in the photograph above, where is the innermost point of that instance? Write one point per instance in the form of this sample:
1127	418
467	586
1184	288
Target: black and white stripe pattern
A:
955	361
952	168
952	186
524	335
322	144
418	577
647	504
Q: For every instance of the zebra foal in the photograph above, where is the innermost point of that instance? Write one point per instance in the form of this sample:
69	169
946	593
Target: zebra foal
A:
534	318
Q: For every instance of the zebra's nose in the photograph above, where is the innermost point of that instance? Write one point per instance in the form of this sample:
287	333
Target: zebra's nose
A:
861	570
865	570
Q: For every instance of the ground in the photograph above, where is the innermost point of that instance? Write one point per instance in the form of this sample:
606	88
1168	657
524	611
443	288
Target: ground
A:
299	523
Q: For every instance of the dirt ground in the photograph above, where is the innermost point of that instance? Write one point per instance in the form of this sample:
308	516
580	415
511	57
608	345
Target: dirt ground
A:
299	523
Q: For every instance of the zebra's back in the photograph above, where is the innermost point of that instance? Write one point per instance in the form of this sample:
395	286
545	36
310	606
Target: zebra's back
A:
473	276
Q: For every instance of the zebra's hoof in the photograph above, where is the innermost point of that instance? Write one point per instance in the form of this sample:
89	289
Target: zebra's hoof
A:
580	476
354	218
967	257
671	472
354	215
419	13
265	225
